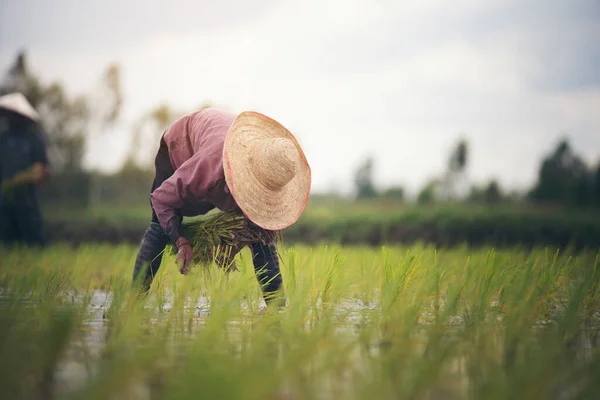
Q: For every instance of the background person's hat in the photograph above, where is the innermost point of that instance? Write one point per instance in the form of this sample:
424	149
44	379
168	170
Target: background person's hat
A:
266	171
17	103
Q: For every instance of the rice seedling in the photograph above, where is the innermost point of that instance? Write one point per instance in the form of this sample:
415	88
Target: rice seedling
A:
399	322
220	236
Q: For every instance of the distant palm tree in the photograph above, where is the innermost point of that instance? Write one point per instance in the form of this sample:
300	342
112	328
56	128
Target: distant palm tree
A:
456	173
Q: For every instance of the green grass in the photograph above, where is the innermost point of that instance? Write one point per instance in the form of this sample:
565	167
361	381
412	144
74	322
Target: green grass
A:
399	322
372	222
316	210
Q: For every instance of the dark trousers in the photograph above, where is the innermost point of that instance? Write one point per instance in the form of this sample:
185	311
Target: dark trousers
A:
147	263
21	224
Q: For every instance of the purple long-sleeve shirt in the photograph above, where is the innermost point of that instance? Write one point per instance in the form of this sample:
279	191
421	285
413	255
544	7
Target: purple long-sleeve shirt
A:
195	143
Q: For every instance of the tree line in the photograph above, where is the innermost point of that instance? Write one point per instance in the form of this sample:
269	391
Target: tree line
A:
563	179
71	121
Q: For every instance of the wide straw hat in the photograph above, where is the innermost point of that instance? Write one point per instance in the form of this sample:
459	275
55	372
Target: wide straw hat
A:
17	103
266	171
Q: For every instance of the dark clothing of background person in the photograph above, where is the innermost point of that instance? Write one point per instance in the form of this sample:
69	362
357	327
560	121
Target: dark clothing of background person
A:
22	145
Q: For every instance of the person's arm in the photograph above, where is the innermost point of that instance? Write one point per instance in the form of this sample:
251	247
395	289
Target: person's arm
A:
192	180
39	170
166	200
32	175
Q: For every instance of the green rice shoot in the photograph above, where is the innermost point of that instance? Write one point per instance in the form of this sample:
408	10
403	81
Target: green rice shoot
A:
412	322
220	236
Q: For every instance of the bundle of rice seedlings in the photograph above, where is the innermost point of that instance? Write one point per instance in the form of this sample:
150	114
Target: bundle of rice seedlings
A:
220	236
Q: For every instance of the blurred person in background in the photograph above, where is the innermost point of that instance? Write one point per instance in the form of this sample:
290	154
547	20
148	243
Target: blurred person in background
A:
215	159
23	166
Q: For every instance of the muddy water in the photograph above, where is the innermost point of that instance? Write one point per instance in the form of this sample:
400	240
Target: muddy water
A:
84	354
78	363
86	351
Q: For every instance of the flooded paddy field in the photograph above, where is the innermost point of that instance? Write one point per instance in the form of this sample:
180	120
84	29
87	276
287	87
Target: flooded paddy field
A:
402	322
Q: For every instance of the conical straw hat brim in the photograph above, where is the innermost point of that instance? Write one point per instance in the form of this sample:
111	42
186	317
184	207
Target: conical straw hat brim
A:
17	103
269	209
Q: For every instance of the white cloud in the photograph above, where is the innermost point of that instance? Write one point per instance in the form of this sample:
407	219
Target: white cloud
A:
398	80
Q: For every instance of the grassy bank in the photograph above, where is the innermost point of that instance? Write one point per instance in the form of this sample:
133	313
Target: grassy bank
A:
368	223
452	225
407	322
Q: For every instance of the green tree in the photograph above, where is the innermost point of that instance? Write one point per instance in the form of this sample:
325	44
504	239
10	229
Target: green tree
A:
68	121
458	158
456	171
563	178
493	193
490	193
596	187
363	180
476	194
428	194
393	193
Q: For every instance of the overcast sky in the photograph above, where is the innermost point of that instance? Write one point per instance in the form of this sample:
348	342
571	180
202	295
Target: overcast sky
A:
399	80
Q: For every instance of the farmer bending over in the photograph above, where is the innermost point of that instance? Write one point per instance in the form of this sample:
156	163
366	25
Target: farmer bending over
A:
214	159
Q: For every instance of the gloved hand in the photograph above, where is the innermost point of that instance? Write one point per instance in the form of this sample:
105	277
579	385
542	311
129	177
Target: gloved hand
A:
184	255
